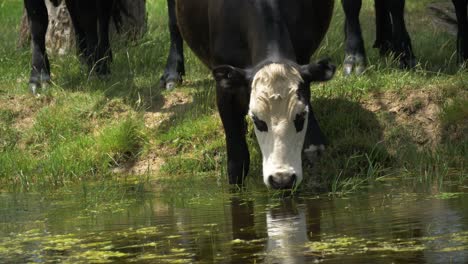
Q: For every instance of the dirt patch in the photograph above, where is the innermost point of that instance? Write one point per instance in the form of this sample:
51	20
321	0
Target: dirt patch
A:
172	103
148	165
25	108
151	162
417	110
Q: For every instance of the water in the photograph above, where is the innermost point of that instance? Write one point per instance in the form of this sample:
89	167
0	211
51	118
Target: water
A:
180	225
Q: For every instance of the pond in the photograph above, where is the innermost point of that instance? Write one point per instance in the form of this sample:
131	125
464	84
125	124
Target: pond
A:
147	223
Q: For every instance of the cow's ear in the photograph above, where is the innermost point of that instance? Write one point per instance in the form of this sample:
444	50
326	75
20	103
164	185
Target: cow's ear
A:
228	77
319	71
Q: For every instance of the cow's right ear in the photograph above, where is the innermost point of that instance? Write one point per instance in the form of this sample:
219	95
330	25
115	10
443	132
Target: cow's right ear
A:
320	71
228	77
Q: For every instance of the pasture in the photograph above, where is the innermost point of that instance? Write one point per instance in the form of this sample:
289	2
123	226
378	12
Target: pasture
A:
385	124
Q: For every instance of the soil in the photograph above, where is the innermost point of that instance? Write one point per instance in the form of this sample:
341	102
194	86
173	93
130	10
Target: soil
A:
150	163
418	110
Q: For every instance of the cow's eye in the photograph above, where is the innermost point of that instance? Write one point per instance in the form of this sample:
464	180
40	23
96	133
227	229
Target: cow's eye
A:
299	121
259	124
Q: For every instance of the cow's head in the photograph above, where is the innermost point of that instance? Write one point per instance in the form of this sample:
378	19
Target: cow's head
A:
279	108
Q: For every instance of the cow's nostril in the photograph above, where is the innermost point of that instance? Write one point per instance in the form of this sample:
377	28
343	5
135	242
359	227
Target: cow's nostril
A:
293	179
282	181
273	183
290	184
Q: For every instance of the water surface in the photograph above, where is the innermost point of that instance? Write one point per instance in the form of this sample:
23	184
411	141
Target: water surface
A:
178	225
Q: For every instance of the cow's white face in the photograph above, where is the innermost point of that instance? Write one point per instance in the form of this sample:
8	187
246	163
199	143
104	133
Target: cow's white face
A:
280	119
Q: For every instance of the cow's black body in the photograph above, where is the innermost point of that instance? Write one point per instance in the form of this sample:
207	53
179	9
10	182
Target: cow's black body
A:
247	34
391	34
462	37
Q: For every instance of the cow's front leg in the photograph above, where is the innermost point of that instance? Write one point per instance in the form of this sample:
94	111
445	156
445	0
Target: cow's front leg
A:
38	21
103	52
383	28
401	41
355	54
462	36
175	68
85	17
233	118
314	142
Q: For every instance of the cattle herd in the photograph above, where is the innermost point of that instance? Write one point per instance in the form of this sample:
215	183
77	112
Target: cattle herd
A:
258	52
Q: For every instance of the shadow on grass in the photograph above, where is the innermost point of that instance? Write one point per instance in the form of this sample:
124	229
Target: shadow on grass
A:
354	137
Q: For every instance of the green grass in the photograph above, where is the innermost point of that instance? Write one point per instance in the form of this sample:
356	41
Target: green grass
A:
83	128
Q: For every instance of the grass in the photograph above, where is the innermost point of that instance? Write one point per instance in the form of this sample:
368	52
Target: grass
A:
387	122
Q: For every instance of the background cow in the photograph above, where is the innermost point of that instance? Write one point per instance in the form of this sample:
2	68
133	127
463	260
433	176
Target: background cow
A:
462	36
259	52
391	34
90	19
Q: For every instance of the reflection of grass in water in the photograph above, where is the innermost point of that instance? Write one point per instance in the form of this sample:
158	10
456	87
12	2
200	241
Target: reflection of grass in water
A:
354	245
92	247
147	243
445	196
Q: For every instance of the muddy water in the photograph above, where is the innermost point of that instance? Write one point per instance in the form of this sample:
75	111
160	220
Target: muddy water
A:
378	225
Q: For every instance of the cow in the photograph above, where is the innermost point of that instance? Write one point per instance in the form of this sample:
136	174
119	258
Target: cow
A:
259	52
462	35
391	34
91	19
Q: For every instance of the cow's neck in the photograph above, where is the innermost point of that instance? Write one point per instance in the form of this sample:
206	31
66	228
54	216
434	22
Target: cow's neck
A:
269	36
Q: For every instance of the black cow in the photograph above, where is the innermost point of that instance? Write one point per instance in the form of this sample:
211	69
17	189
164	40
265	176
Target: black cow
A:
391	34
462	36
91	20
259	54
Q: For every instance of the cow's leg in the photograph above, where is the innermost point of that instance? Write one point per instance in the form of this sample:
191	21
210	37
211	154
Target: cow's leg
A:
79	32
85	16
175	68
314	142
355	54
38	21
383	28
401	40
103	52
235	128
462	36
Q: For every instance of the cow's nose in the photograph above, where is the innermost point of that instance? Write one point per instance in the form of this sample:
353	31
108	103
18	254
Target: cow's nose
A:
282	180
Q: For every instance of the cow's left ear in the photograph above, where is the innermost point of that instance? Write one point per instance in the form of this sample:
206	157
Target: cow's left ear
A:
319	71
228	77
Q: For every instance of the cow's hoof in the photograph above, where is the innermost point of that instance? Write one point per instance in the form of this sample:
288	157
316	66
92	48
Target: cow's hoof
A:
313	153
170	83
34	88
408	63
38	88
354	63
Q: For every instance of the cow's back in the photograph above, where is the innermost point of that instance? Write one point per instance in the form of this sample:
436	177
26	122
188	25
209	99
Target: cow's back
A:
205	24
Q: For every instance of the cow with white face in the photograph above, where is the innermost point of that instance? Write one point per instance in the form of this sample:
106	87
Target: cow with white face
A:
279	107
259	54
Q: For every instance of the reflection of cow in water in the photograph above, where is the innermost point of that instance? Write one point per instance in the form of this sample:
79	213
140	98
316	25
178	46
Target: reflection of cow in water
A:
259	53
289	227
